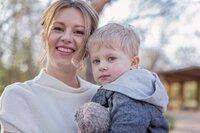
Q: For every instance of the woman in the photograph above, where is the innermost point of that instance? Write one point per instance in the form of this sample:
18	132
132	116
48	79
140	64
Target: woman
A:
47	103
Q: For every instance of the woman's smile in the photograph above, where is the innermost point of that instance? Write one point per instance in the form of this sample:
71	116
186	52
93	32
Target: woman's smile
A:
65	50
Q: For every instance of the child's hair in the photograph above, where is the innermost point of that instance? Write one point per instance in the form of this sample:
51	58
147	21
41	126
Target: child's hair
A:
93	118
115	35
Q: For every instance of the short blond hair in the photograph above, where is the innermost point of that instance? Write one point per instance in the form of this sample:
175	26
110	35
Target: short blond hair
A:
111	35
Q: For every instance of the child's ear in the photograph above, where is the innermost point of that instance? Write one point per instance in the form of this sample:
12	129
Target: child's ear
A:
134	62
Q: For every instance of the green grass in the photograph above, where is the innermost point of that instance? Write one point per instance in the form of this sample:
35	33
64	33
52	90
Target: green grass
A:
170	121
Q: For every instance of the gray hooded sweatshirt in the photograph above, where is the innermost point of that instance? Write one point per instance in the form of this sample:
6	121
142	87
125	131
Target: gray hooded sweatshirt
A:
136	101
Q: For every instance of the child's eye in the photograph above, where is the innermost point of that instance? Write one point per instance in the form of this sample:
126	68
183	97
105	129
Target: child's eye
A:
96	61
110	59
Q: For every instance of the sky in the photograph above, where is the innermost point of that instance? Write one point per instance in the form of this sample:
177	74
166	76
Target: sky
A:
185	27
118	10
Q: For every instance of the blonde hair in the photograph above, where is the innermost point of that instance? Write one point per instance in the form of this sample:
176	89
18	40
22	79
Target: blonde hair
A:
90	17
115	35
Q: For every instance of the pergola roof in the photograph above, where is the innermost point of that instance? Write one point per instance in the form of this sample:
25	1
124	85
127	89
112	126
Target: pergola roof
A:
186	74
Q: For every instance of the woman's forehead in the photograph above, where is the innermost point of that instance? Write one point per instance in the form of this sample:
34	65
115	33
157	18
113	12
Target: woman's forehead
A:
70	15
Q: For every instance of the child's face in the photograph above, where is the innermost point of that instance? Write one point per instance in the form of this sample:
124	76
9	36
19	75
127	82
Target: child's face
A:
108	64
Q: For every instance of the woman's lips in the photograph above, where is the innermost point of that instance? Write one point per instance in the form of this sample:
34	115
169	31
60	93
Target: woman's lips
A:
65	50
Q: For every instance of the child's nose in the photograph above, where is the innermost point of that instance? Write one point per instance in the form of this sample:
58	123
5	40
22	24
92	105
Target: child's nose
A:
103	66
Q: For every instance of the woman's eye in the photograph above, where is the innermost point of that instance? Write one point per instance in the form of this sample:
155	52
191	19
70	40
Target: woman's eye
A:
79	32
57	29
110	59
96	62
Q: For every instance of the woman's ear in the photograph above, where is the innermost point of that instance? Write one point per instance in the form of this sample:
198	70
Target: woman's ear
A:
134	62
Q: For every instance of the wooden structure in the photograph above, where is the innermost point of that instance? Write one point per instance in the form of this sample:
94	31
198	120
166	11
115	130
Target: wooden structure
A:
181	76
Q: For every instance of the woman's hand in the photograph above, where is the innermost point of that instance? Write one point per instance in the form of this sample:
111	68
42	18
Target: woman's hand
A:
98	5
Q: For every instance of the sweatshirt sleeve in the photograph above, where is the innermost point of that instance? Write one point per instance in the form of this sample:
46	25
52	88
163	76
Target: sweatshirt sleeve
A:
15	111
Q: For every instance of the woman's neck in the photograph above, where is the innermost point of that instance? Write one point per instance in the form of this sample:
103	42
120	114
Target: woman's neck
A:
67	76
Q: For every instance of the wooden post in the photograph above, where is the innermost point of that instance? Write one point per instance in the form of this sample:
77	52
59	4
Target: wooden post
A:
181	95
169	92
198	94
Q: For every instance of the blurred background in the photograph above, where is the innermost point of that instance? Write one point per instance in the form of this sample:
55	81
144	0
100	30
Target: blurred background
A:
170	46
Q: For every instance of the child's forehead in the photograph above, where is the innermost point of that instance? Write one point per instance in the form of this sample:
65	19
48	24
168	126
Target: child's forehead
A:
105	46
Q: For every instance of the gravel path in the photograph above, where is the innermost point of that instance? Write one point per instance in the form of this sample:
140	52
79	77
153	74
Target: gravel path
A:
186	121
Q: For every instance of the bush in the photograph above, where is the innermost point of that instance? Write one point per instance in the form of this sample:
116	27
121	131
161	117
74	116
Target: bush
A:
170	121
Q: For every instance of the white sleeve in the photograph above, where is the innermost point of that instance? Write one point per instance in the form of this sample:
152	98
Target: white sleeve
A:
15	111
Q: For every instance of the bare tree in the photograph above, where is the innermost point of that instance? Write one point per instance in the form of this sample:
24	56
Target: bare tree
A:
167	22
19	34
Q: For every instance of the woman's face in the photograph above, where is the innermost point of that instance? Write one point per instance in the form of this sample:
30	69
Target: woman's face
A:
65	37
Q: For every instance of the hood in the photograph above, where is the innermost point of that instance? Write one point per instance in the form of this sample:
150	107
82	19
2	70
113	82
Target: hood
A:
143	85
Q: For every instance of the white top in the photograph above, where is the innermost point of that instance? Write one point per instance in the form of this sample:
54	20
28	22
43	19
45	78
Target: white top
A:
43	105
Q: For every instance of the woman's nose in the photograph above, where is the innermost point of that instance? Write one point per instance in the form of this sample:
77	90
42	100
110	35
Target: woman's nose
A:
67	37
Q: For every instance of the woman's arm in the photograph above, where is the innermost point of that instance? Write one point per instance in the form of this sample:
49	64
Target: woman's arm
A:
98	5
15	110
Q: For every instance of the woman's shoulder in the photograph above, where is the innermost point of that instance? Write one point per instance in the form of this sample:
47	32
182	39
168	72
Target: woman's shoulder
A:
17	95
18	88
